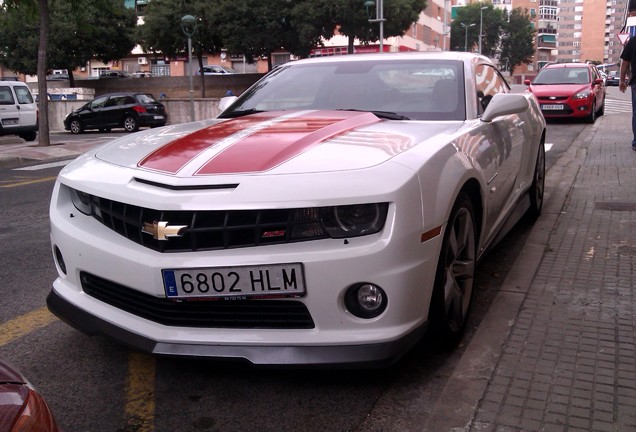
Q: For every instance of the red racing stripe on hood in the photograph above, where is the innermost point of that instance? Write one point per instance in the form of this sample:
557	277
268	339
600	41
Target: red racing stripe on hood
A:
259	151
276	144
175	155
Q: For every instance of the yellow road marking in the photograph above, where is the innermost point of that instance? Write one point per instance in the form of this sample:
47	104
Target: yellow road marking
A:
28	182
25	324
140	393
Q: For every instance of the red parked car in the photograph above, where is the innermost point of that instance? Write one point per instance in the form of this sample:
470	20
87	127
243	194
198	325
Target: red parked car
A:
22	409
569	90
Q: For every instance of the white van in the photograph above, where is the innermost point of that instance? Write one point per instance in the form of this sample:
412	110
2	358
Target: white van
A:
18	110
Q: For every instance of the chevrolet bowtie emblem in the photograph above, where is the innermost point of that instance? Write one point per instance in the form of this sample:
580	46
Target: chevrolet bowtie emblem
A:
162	231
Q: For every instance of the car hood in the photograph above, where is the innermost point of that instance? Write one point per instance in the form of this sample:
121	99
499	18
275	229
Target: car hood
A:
271	143
557	89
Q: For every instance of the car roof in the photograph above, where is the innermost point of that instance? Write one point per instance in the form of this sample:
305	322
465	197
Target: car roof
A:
567	65
380	57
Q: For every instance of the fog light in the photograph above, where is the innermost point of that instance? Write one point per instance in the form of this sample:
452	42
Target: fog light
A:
365	300
59	259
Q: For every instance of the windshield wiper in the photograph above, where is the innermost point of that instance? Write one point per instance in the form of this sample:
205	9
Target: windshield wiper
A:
241	113
382	114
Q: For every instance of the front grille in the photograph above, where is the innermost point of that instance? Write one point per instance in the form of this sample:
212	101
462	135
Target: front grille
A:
210	230
270	314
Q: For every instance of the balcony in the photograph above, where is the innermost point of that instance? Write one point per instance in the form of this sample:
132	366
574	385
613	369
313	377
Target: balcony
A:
546	41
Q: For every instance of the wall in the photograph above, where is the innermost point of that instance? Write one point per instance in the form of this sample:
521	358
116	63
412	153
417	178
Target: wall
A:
176	89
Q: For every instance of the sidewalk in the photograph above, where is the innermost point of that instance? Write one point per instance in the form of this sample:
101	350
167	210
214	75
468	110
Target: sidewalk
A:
556	352
15	151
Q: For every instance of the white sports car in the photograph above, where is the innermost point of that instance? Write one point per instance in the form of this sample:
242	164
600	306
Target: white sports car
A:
327	216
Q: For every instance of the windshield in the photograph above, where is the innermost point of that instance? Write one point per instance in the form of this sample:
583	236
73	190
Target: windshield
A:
402	89
563	75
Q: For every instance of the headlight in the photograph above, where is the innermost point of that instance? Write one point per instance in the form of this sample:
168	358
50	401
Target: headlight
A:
81	201
354	220
582	94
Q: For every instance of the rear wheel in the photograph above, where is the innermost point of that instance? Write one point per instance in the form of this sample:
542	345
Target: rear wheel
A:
29	136
455	274
76	127
538	185
130	124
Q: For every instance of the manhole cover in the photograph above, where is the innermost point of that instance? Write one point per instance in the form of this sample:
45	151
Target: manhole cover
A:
616	206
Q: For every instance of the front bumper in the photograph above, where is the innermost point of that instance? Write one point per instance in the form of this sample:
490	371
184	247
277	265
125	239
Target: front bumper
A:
379	354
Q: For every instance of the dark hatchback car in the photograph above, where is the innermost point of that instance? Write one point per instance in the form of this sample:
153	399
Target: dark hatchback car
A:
117	110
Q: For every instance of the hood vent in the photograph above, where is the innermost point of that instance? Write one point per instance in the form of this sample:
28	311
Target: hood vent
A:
187	187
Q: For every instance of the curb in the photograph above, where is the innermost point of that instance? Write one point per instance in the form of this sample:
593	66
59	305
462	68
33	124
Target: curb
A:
455	409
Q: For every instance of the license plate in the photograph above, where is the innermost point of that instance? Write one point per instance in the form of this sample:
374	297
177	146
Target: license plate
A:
158	117
275	280
10	122
552	107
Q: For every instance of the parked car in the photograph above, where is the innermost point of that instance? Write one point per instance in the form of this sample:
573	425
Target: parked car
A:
216	70
18	110
329	215
569	90
117	110
115	74
22	408
613	79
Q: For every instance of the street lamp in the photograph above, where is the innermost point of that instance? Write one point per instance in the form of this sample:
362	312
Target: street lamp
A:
379	17
466	27
188	25
481	25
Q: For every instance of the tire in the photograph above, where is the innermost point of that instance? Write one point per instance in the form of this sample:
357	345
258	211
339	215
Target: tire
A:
455	275
537	188
76	127
592	117
130	124
29	136
601	110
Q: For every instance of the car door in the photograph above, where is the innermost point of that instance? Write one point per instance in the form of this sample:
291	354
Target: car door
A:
91	115
26	106
506	140
9	118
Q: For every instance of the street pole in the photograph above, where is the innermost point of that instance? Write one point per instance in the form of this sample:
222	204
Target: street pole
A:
466	27
188	25
445	29
481	25
379	18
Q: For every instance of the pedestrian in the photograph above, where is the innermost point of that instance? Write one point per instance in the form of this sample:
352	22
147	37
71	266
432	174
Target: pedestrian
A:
628	78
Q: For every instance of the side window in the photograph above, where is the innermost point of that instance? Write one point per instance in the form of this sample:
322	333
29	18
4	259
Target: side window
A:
23	95
489	82
6	96
99	102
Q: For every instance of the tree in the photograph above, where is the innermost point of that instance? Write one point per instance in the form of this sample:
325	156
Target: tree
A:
79	32
493	21
353	19
162	32
517	41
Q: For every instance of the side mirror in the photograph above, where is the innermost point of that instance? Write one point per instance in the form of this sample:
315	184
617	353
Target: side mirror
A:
503	104
598	81
527	82
225	102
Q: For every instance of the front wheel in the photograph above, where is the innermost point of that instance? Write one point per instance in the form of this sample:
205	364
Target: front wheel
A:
76	127
130	124
455	274
591	118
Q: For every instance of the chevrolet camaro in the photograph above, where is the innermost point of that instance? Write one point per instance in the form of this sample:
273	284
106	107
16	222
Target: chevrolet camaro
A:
329	215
